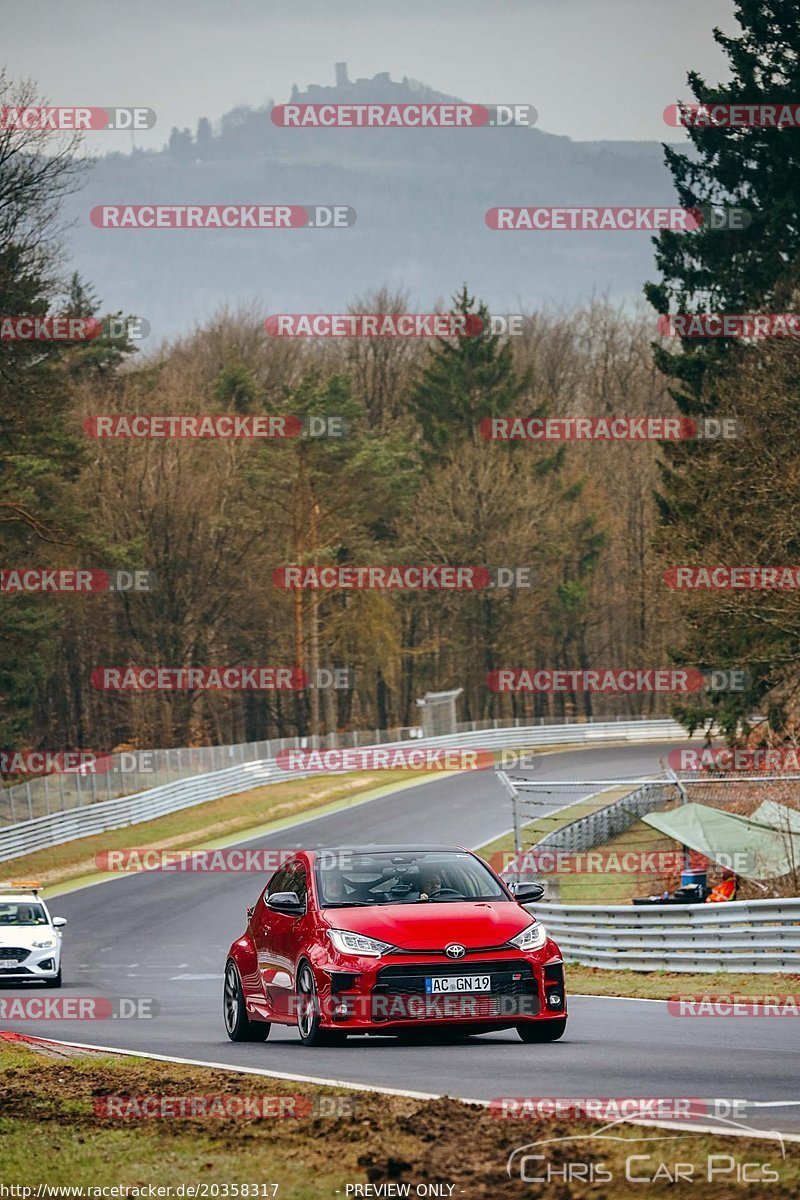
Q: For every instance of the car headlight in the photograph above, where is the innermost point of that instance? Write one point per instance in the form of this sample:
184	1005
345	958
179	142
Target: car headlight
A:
45	944
355	943
532	938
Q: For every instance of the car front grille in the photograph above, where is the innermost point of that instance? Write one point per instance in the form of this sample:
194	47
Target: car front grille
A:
18	953
399	993
509	978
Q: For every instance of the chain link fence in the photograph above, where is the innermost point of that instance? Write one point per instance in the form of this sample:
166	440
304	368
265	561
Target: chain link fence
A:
605	854
126	773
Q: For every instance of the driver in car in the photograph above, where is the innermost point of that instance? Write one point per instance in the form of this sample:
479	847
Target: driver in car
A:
430	882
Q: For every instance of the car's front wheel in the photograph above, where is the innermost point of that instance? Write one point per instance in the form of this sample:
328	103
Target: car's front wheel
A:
309	1013
542	1031
238	1025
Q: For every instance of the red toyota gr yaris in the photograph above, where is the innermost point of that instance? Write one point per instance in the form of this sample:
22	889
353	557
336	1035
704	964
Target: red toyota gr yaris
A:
388	939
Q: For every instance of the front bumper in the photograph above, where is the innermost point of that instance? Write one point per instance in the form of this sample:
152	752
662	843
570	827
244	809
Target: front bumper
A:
379	995
30	963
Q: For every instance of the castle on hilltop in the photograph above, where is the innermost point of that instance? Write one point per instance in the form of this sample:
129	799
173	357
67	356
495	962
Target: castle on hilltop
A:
380	87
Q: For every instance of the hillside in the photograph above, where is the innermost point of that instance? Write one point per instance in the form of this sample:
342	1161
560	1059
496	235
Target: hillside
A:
420	196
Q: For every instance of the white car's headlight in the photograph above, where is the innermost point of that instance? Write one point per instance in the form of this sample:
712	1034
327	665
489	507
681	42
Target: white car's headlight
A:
532	938
355	943
45	944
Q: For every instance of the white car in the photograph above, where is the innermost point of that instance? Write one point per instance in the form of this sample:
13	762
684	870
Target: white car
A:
30	939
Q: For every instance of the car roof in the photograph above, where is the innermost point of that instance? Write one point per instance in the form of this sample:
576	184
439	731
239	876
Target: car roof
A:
415	848
17	897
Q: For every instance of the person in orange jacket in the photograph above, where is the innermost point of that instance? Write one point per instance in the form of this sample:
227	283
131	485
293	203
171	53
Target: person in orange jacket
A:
726	890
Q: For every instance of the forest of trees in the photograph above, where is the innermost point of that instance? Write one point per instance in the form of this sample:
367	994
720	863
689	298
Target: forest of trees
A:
408	484
413	481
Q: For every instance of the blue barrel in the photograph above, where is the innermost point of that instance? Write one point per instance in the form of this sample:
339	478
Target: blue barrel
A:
690	878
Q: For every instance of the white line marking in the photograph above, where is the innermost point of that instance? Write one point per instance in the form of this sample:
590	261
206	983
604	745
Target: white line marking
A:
589	996
288	1075
213	975
689	1127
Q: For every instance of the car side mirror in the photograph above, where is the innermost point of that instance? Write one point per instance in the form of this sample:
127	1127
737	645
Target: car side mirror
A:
286	902
527	893
59	922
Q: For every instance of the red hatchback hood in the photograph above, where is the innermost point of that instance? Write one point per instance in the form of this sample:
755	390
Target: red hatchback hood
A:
431	926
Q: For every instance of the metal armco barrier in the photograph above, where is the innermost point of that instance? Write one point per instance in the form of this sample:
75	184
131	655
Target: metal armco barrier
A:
605	823
739	935
126	773
51	830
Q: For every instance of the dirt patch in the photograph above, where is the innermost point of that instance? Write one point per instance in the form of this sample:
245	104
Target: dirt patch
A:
53	1108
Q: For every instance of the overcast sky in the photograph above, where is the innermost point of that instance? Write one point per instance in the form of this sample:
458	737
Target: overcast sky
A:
593	68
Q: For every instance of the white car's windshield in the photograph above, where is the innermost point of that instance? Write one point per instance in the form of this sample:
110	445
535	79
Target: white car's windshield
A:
24	912
403	877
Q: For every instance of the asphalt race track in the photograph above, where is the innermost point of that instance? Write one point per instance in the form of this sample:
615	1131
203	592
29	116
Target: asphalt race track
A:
165	936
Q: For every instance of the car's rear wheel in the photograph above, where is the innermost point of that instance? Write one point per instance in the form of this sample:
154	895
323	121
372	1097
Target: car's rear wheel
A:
542	1031
238	1025
309	1013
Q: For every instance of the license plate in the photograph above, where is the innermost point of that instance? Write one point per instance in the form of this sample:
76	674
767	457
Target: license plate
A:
458	983
7	962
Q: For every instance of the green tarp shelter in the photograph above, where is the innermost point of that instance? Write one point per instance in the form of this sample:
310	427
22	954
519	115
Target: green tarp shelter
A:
769	812
751	847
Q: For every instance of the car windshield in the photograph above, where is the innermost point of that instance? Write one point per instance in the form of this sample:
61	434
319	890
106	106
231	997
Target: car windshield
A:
23	912
359	878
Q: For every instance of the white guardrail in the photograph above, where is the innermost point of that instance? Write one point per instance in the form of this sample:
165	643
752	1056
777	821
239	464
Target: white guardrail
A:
738	935
24	837
746	935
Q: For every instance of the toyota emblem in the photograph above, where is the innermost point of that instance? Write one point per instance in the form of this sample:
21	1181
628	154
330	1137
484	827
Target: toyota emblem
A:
455	950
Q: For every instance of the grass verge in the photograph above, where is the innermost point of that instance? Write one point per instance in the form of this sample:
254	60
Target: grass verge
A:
660	985
52	1134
